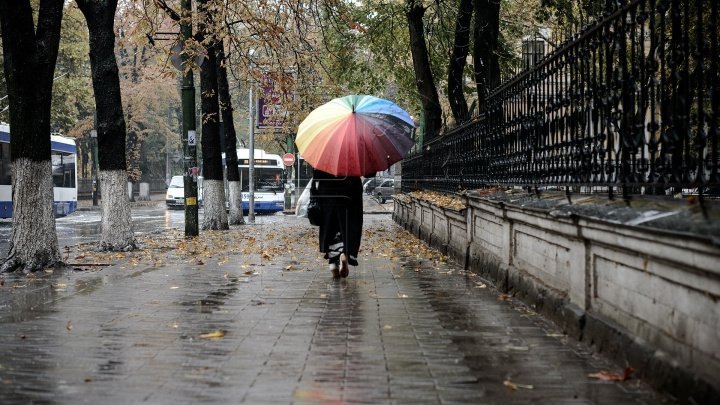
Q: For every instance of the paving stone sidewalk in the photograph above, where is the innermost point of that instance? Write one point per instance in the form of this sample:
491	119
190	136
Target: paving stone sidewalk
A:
253	317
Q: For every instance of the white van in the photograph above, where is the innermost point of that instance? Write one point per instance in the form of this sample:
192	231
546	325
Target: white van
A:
175	196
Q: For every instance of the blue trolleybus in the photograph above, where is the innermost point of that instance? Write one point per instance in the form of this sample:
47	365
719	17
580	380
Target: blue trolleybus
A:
64	174
269	187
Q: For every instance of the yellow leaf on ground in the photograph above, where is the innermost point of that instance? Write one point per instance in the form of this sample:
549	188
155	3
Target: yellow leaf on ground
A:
213	335
514	386
611	376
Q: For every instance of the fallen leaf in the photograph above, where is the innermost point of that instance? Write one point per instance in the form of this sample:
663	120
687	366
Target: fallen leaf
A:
480	285
288	268
68	325
315	396
249	273
174	288
503	297
611	376
213	335
514	386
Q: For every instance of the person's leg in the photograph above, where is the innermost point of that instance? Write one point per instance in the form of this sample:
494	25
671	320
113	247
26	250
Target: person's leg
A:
353	231
349	256
335	249
330	243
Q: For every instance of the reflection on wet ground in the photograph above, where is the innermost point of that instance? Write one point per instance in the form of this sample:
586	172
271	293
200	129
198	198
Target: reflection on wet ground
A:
403	328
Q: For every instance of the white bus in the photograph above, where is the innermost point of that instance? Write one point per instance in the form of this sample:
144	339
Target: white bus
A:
64	174
269	185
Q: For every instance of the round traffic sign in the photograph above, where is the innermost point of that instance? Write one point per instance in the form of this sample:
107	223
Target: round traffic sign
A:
288	159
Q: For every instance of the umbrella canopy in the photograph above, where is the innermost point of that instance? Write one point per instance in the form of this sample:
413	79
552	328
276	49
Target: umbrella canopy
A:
355	136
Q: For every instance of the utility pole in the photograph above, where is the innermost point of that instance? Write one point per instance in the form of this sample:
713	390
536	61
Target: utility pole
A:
251	158
189	136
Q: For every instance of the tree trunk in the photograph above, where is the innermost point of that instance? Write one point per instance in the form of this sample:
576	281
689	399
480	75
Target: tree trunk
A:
231	160
423	74
34	243
116	219
458	59
215	217
116	232
29	56
213	187
485	58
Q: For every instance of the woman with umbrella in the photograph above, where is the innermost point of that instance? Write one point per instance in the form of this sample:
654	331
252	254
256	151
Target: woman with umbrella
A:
342	140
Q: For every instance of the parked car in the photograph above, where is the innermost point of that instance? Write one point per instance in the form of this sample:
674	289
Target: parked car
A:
371	183
175	196
385	190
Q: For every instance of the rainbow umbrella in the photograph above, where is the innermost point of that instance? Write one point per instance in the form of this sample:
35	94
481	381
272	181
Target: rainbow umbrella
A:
355	136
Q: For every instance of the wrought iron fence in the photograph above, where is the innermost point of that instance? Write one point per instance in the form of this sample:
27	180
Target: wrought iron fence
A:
629	103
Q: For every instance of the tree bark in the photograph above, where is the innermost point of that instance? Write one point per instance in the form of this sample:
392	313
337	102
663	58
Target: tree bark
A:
423	74
30	54
116	232
116	224
458	59
485	58
235	216
213	187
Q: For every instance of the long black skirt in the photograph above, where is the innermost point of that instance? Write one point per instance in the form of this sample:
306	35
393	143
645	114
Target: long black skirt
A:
342	215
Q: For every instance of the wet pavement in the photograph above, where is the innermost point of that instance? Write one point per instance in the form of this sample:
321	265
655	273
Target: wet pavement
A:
252	316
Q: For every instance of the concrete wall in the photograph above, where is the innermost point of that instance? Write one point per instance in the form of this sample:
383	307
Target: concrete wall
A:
648	297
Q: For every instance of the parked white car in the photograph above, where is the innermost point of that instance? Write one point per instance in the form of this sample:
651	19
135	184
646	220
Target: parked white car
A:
175	196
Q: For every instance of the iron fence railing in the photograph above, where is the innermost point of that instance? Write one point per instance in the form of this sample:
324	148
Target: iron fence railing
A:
629	103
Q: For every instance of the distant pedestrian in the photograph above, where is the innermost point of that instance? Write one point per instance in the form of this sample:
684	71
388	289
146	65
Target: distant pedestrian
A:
342	217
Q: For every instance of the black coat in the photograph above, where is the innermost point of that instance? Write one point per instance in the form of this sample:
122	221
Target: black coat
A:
342	211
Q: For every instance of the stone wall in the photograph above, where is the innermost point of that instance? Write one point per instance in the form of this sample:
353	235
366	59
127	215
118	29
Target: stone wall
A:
647	297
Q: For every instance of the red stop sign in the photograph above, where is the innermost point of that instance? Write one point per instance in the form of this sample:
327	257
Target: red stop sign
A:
288	159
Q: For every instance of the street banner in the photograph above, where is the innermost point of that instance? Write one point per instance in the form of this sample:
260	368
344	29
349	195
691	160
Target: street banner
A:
272	112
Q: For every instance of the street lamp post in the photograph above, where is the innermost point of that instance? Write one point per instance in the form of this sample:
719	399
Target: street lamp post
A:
251	158
189	140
